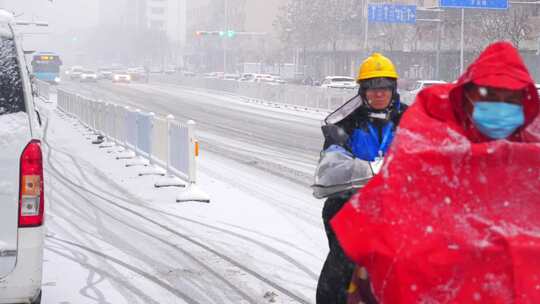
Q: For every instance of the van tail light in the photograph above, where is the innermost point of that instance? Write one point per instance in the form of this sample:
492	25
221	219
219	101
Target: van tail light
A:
31	194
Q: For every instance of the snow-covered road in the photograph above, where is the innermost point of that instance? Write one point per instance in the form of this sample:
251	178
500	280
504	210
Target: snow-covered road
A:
278	140
113	238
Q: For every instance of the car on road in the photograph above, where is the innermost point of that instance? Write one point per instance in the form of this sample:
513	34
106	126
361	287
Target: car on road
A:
171	69
189	74
121	76
339	82
231	77
419	85
247	77
88	76
75	72
211	75
279	80
21	176
137	74
264	78
104	73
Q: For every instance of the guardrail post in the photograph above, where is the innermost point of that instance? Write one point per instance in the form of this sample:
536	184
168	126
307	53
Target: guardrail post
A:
170	118
137	111
150	158
192	192
114	111
124	134
193	152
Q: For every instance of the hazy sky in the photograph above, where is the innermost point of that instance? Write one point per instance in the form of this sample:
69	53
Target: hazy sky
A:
63	13
62	16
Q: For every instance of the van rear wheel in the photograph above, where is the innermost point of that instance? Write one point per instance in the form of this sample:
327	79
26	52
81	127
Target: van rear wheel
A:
38	299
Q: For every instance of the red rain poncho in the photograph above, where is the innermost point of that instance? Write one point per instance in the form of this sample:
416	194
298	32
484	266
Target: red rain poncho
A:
453	217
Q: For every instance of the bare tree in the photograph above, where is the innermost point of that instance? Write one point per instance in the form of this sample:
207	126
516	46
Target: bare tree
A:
393	37
512	25
300	23
323	24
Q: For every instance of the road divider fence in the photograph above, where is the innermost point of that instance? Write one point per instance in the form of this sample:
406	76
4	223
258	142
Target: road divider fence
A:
161	145
42	89
306	97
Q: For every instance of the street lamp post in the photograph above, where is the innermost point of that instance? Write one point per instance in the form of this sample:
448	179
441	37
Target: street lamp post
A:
439	22
438	51
226	7
461	41
366	25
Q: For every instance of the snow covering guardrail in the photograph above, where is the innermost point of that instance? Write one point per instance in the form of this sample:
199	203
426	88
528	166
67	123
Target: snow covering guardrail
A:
43	89
315	98
144	138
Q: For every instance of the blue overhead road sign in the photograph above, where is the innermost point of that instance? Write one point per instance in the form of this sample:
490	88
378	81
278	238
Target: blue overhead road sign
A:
485	4
390	13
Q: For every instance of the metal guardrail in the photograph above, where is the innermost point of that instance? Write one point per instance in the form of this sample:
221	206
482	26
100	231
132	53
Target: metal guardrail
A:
145	139
43	89
314	98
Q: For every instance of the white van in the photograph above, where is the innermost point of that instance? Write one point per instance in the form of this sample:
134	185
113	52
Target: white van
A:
21	176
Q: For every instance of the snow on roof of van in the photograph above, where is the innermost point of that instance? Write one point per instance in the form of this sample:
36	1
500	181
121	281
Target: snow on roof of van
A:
5	19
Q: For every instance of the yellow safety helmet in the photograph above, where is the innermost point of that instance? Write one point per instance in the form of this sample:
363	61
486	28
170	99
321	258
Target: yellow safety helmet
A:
376	66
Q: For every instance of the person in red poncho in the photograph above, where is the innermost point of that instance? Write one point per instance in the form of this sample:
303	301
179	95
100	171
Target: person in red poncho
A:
454	214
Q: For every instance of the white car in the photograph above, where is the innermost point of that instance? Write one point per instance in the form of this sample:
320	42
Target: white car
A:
339	82
422	84
265	78
231	77
88	76
121	76
21	177
75	72
247	77
104	73
211	75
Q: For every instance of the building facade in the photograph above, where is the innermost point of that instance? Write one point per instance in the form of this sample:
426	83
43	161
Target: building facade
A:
168	16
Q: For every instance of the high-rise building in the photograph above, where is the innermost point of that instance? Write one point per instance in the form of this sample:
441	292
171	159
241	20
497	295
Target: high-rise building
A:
129	13
111	12
258	20
168	16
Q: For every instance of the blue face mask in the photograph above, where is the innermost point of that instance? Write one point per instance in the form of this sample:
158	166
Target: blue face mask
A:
497	120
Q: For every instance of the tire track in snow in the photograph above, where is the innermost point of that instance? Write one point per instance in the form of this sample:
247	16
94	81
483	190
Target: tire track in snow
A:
118	262
199	244
141	204
174	246
74	187
230	260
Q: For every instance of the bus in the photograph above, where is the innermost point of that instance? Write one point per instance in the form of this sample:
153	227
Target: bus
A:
46	67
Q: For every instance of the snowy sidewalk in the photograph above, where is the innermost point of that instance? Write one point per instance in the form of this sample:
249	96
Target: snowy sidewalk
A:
114	238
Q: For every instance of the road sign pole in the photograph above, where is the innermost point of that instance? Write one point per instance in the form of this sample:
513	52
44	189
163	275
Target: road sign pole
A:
461	48
366	27
226	7
467	4
438	55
